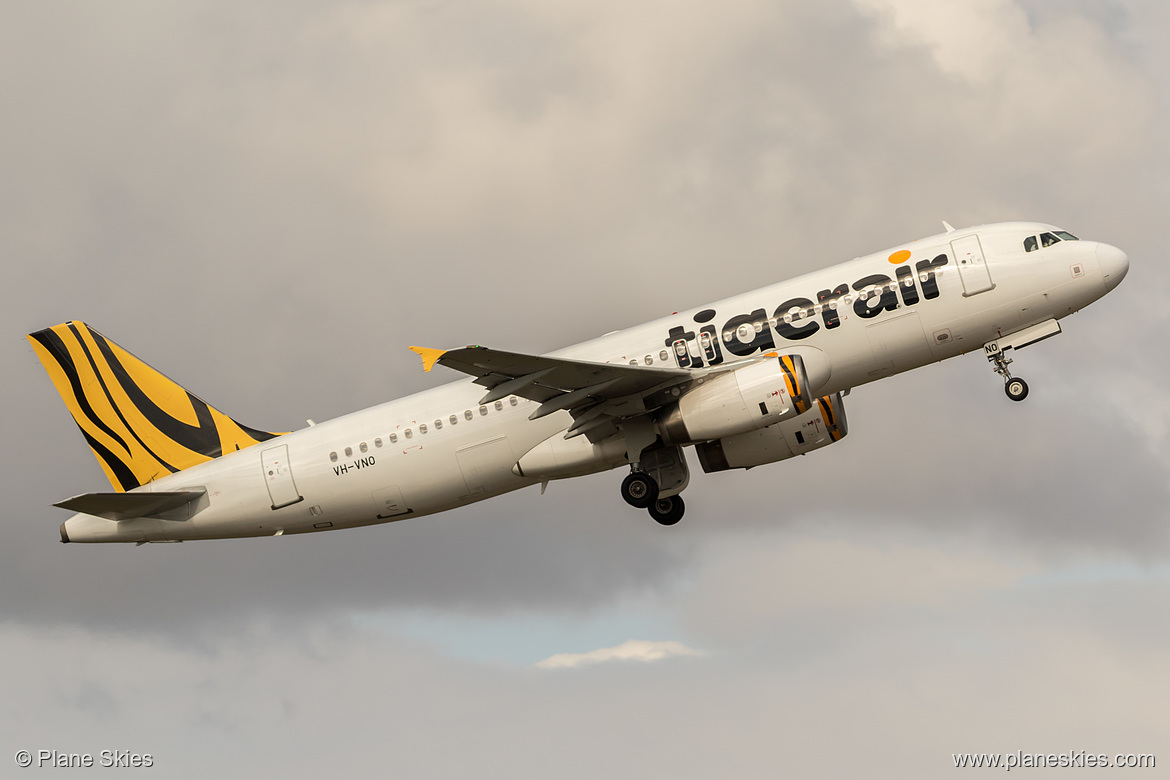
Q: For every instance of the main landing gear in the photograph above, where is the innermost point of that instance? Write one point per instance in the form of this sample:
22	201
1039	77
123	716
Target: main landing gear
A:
655	482
1016	388
641	491
668	511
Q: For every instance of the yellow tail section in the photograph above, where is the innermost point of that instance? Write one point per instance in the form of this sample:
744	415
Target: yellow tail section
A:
139	424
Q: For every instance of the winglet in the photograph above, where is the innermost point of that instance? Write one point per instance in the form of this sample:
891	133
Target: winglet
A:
429	356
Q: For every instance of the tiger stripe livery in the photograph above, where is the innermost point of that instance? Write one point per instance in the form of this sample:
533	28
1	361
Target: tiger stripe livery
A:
793	368
139	424
833	415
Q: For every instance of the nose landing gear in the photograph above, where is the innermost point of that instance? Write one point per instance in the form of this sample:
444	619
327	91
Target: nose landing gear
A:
1016	388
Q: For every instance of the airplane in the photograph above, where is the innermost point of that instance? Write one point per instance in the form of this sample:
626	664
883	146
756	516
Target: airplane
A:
750	380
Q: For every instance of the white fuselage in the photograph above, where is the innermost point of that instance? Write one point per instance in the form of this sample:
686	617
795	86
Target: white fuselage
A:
440	449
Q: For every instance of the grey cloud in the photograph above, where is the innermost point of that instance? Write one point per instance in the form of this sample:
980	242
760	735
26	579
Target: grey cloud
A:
895	685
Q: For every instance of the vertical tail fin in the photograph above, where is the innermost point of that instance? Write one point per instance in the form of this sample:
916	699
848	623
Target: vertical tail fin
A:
139	424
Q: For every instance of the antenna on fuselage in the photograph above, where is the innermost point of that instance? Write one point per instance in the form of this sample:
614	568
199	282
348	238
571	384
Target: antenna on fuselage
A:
947	225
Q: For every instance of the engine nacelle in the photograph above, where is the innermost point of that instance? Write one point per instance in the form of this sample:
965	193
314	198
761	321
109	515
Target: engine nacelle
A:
747	399
823	424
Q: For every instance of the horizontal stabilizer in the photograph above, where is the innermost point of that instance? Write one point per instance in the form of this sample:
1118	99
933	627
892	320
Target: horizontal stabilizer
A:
127	506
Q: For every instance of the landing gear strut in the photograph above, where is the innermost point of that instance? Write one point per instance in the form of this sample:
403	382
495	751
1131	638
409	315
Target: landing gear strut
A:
1016	388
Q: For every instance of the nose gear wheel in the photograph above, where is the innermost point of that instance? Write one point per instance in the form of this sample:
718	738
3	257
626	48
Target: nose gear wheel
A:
1016	389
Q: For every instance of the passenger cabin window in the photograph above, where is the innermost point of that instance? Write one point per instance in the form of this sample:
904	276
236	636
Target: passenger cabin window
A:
513	400
394	438
483	410
438	424
664	355
467	415
422	427
499	405
408	433
454	419
348	451
333	457
377	442
363	447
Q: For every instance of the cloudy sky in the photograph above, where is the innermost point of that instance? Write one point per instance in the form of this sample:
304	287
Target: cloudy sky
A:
269	201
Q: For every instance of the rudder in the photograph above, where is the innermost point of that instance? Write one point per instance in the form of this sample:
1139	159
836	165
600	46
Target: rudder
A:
139	424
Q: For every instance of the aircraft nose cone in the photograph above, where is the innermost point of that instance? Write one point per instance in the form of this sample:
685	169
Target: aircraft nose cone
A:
1114	264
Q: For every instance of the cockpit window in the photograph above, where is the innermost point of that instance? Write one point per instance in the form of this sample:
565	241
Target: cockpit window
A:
1032	243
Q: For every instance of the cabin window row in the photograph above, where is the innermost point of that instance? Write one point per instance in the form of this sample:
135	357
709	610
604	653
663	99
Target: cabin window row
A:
649	359
422	428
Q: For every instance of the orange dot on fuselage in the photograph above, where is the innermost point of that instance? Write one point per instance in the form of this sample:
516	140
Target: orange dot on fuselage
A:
900	256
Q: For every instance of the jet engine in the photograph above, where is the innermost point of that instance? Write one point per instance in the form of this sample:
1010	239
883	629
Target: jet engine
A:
823	424
746	399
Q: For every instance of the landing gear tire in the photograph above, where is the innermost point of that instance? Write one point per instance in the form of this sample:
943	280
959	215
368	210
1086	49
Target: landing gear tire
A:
667	511
639	490
1016	389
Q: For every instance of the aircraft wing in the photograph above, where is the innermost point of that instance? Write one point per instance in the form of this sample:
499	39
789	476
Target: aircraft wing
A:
596	394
